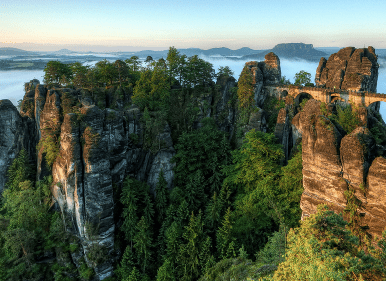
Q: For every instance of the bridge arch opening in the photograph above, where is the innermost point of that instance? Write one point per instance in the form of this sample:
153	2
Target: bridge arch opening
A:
376	116
302	98
283	94
336	99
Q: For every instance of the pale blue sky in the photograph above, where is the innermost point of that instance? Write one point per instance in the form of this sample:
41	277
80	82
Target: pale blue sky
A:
204	24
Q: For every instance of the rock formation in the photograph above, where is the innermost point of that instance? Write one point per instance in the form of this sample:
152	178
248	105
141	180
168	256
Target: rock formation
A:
16	132
349	69
97	149
334	162
267	72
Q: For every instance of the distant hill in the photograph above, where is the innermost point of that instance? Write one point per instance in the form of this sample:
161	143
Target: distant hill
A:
64	52
292	51
13	52
196	51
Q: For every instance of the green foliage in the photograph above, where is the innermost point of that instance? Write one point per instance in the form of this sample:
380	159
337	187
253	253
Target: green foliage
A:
57	72
284	81
237	269
254	174
143	243
273	106
86	272
161	197
194	253
225	241
347	117
200	155
323	249
166	272
154	123
302	78
291	189
245	95
152	89
19	171
25	223
224	71
274	251
49	143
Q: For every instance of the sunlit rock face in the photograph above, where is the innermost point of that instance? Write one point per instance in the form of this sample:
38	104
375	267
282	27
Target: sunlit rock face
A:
334	161
271	69
349	69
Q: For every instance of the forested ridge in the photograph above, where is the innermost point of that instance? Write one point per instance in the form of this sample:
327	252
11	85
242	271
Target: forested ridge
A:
232	214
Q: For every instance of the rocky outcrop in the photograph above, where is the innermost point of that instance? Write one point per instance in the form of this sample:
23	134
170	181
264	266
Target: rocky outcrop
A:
265	73
98	149
16	132
225	112
283	132
271	69
376	196
334	162
349	69
322	180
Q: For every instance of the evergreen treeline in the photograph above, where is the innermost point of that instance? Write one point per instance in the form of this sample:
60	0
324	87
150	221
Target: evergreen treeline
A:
233	213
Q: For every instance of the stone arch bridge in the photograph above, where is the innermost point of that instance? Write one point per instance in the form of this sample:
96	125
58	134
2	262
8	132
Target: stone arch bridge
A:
326	95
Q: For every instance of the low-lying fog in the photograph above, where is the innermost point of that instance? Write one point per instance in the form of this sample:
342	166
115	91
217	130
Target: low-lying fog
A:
12	82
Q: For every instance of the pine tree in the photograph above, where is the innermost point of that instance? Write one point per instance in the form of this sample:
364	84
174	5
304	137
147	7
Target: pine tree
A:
127	264
161	197
135	275
225	241
143	244
194	254
129	200
19	171
166	272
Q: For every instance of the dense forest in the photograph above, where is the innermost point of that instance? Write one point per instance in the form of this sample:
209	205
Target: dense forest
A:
233	213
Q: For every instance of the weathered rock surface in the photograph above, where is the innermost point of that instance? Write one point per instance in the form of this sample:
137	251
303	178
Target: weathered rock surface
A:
98	148
333	161
283	132
356	152
271	69
322	180
349	69
265	73
16	132
225	112
376	196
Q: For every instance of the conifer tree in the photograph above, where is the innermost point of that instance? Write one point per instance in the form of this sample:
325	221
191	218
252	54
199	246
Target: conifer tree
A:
135	275
127	264
225	240
19	171
161	197
129	200
166	272
143	244
194	253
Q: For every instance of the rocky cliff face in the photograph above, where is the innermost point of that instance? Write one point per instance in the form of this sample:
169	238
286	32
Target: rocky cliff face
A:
16	132
96	150
335	162
267	72
349	69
